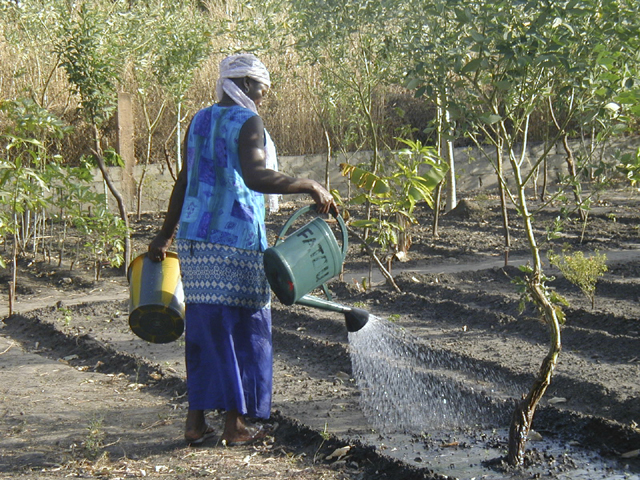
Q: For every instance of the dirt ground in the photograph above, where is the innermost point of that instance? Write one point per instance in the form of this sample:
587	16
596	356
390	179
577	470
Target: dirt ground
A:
82	396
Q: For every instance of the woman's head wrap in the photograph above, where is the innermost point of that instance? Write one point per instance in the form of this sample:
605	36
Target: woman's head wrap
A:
240	66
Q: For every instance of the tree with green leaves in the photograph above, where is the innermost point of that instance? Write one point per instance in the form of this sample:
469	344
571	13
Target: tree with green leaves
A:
431	41
511	60
184	40
354	44
92	57
166	44
27	141
30	30
413	177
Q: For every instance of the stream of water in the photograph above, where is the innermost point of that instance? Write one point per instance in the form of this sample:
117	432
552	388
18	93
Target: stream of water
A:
406	386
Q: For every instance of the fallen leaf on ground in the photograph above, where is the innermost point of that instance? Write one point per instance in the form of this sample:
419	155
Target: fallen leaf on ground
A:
554	400
534	436
338	452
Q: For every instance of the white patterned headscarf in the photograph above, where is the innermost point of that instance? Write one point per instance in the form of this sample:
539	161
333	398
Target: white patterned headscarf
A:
240	66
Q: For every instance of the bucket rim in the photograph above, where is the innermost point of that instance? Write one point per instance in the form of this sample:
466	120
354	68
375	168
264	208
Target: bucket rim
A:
169	254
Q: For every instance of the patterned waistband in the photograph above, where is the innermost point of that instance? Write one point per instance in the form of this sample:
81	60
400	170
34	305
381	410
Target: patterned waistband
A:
222	275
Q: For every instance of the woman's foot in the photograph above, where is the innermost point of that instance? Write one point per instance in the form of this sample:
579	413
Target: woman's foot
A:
196	430
237	431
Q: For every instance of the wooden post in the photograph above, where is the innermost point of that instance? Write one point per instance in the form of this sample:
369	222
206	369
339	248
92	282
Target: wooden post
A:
126	148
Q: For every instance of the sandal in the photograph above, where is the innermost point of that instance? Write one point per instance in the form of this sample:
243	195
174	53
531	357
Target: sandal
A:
208	433
258	432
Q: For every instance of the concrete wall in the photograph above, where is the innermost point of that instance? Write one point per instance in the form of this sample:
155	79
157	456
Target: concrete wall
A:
472	171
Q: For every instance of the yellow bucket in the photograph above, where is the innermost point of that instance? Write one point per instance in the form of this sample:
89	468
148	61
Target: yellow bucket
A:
156	299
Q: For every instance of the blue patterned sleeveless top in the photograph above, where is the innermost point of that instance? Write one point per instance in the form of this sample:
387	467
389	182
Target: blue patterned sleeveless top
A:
218	206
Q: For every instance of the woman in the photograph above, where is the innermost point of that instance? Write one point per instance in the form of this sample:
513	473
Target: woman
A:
217	209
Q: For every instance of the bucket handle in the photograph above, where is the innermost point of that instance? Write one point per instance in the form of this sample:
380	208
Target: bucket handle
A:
303	210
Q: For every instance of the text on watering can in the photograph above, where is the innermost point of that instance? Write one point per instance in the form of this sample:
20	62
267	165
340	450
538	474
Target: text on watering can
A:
318	257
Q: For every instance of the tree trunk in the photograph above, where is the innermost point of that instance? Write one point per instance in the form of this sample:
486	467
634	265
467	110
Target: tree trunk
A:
452	199
139	191
404	237
525	409
545	179
373	257
327	178
438	192
575	185
116	194
14	274
436	211
503	201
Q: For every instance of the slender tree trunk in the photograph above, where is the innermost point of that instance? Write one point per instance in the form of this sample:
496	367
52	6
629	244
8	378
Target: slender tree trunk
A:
139	190
116	194
571	168
179	139
404	237
503	200
571	164
373	257
545	179
525	409
327	178
14	274
437	204
151	128
452	199
436	211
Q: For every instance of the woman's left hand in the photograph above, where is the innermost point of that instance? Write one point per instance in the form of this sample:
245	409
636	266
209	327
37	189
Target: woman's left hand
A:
324	200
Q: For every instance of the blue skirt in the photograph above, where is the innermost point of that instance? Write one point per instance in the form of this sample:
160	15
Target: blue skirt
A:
229	359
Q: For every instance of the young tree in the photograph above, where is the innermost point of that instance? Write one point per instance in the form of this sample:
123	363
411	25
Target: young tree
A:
184	40
92	57
431	40
511	59
354	44
166	43
26	142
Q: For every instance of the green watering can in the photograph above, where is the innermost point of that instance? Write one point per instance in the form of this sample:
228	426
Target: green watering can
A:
306	259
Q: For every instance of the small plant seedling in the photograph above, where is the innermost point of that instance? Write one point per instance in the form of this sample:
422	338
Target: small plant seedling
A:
394	317
95	436
581	271
325	436
66	315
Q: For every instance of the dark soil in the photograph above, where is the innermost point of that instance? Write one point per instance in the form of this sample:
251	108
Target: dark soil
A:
84	397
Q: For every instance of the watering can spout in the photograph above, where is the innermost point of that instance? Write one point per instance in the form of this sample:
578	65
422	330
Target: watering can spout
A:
355	318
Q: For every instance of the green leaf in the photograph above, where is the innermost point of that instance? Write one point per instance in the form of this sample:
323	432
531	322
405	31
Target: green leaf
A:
503	85
477	36
472	66
413	83
490	118
364	179
364	223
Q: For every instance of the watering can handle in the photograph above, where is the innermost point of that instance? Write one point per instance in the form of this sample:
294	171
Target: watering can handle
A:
308	208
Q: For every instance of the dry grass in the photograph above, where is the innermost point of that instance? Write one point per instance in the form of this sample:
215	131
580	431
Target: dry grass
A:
290	114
